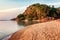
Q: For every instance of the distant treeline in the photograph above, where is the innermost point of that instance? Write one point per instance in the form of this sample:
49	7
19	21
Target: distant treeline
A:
38	11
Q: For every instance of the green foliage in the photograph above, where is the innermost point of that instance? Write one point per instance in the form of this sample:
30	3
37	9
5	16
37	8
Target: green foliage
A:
28	17
44	9
21	16
38	10
53	13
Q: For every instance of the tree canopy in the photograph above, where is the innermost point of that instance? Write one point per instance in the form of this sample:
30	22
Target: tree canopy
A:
37	10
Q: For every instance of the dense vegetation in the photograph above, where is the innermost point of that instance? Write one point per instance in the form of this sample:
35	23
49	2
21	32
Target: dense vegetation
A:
37	11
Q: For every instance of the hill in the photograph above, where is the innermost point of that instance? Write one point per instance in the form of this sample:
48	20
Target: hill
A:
40	12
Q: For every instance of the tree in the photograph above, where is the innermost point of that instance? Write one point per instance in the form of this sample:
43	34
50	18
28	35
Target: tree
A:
21	16
53	13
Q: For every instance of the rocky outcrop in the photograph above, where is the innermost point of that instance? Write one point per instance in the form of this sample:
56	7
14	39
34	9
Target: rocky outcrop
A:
37	8
40	31
31	10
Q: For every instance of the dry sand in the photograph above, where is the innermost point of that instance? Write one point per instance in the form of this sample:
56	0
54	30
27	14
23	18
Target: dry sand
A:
40	31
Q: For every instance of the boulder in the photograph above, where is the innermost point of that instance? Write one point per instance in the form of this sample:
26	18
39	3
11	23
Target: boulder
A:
40	31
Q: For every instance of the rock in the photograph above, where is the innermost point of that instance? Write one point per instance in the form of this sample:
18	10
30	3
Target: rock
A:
40	31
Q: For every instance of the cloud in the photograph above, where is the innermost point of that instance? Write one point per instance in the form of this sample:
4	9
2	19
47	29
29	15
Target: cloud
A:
56	4
11	13
12	9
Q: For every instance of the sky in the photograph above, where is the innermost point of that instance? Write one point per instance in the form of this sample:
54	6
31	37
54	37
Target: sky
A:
7	4
14	7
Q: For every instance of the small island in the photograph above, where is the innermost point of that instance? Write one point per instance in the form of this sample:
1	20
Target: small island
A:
40	13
